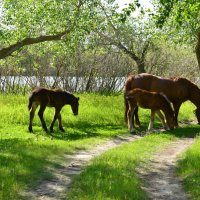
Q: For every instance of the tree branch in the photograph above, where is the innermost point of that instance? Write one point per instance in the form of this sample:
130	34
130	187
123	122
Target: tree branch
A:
120	46
7	51
28	41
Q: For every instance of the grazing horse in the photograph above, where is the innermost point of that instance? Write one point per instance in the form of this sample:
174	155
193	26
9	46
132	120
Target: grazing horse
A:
177	90
151	100
52	98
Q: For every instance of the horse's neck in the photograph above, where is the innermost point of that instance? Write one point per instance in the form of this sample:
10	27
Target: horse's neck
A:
69	99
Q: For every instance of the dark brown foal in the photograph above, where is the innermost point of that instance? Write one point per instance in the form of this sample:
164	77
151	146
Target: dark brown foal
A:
51	98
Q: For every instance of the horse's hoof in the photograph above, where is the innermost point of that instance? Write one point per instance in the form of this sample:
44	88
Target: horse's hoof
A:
62	129
51	130
132	132
30	129
46	131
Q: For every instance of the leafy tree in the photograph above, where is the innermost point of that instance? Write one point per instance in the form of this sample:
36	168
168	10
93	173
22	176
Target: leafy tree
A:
132	35
184	17
27	22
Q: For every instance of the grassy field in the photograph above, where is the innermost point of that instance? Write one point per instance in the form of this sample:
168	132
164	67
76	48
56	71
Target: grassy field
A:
24	157
189	170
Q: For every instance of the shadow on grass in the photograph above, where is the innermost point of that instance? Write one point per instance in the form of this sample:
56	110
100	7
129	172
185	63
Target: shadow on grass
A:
85	130
22	163
185	131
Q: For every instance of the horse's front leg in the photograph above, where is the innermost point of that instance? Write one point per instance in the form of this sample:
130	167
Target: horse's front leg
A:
57	111
60	123
40	113
176	106
151	120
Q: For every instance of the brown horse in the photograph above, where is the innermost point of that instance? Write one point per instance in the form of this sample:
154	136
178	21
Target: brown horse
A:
177	90
51	98
151	100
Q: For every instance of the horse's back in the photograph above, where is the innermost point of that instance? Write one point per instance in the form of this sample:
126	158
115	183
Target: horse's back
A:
51	97
41	95
147	82
173	88
147	99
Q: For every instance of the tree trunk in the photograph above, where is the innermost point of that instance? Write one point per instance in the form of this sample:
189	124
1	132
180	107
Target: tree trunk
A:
197	49
140	66
90	78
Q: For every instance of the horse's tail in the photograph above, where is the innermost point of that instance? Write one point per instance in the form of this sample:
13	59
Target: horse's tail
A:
126	108
127	87
30	101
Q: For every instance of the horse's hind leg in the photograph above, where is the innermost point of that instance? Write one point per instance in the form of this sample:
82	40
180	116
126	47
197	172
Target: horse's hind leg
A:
162	119
40	113
129	117
32	114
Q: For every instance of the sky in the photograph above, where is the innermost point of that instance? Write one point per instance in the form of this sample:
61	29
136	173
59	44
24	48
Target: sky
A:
145	3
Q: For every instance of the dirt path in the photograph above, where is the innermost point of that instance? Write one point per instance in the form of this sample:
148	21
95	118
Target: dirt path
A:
161	182
56	188
160	179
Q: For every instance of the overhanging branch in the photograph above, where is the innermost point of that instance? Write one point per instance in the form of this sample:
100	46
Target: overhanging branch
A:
28	41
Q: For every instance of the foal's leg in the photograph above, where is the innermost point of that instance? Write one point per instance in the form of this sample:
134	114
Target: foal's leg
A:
137	121
60	123
162	118
151	120
130	121
32	113
40	113
57	112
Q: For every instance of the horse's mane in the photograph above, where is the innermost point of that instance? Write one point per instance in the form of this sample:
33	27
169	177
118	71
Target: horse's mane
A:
185	80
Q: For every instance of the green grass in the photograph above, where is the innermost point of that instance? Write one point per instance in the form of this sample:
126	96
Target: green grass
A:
24	157
189	170
113	174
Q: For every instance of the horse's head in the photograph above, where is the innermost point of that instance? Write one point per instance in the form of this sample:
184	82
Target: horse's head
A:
170	121
75	105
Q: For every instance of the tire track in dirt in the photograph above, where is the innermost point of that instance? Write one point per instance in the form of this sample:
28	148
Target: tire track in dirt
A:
57	187
159	177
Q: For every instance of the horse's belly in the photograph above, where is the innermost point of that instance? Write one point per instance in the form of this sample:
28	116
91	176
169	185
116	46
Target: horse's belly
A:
142	105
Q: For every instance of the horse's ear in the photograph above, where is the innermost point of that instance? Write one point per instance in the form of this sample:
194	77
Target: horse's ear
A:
78	98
